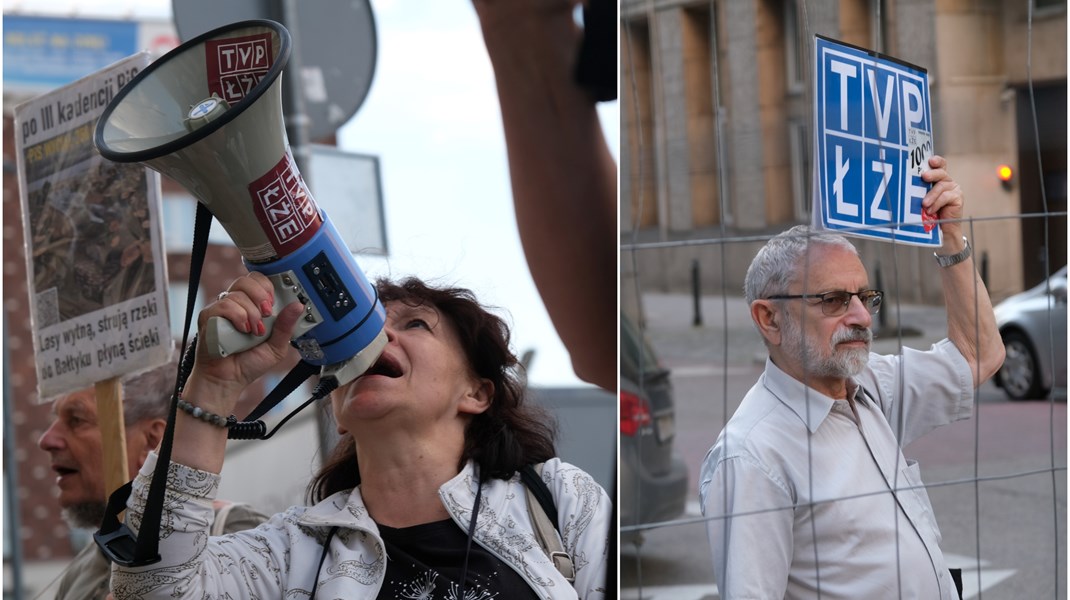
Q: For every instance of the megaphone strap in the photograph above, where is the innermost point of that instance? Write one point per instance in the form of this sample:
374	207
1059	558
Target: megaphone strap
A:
257	430
118	543
297	375
253	429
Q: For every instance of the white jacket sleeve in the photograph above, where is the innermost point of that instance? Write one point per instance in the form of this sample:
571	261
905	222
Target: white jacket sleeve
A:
584	513
248	564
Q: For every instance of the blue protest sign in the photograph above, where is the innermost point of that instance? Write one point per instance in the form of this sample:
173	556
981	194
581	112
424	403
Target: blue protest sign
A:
873	140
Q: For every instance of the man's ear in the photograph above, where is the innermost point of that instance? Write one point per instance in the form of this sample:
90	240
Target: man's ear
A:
142	437
154	432
478	397
767	318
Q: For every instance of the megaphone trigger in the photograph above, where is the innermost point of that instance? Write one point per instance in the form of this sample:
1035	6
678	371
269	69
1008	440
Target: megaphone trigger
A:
223	339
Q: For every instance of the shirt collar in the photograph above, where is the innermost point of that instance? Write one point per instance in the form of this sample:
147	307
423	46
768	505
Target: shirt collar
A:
857	392
800	398
344	508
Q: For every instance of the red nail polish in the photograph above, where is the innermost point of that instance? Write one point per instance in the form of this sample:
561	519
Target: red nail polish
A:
260	329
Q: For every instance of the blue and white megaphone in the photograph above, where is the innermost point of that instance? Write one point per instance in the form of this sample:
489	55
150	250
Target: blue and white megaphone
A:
208	114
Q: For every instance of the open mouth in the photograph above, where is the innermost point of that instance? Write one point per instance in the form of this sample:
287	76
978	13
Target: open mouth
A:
63	471
385	366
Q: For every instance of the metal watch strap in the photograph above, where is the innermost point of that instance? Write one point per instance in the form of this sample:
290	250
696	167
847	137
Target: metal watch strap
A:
956	258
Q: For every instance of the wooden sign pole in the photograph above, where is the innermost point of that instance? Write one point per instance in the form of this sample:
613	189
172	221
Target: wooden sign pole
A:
112	432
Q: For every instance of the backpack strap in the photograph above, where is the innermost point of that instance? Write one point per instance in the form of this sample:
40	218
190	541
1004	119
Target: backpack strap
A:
220	522
543	515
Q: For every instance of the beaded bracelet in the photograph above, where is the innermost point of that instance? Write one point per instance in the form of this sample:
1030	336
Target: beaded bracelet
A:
210	418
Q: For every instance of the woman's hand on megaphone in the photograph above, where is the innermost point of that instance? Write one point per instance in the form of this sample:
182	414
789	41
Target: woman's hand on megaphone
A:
245	304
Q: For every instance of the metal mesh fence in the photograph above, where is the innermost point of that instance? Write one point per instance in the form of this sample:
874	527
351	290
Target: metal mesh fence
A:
996	481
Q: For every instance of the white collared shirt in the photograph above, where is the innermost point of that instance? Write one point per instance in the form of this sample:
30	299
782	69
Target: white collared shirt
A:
801	494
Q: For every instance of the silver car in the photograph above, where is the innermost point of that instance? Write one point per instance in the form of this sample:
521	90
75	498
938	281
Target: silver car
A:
1033	326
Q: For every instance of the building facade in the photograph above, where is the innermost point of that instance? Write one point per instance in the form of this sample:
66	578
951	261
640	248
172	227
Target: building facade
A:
717	125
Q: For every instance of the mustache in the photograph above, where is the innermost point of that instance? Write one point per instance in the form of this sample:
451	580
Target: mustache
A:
852	334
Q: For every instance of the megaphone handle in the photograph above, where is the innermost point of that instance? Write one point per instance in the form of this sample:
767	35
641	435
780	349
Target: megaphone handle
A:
222	339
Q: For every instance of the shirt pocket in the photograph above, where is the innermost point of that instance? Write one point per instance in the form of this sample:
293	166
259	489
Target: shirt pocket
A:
916	497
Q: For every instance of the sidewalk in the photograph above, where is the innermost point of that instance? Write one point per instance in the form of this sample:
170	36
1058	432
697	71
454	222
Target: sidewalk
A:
726	329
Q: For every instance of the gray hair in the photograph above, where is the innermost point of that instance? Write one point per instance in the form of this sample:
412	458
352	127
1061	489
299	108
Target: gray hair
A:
147	395
778	263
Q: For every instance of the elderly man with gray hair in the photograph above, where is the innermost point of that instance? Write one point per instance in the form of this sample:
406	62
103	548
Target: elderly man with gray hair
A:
806	490
74	442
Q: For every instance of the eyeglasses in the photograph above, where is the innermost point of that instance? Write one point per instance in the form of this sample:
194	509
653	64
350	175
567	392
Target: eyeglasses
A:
834	304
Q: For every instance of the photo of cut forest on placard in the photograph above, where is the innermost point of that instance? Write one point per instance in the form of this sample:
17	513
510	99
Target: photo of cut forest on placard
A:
91	240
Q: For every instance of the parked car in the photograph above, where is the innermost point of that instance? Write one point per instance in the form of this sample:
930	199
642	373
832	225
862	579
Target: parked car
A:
1033	326
653	475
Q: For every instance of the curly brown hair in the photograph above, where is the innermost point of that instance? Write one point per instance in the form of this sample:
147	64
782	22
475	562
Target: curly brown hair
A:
508	435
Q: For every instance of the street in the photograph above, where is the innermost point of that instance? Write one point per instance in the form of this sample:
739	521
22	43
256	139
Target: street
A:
999	503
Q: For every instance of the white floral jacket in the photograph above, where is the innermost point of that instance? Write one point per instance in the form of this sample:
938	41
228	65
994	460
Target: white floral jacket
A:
280	558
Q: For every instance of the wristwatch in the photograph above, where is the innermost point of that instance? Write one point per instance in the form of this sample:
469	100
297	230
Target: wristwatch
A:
954	259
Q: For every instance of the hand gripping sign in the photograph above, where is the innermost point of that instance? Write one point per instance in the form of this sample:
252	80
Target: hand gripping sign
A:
874	137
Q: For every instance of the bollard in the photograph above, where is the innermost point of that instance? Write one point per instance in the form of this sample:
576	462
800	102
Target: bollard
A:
696	294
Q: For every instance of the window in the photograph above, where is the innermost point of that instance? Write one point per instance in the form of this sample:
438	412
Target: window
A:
794	48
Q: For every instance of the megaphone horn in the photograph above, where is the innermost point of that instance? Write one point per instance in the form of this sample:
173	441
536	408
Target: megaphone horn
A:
208	114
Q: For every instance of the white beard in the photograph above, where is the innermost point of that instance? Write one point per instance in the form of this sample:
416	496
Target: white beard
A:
828	361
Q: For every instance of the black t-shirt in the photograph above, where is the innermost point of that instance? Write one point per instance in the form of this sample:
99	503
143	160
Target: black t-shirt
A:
426	561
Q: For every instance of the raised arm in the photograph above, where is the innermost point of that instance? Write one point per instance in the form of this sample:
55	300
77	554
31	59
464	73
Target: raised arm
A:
216	384
564	178
189	566
971	322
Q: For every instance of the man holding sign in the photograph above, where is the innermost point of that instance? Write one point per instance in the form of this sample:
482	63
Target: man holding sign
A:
807	490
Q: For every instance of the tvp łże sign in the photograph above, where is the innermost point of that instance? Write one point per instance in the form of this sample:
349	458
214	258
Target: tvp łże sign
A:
873	141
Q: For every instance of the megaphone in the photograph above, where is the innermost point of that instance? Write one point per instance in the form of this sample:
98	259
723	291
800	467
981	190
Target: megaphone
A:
208	114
